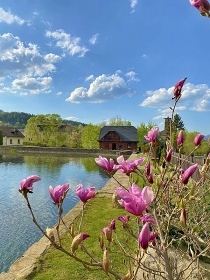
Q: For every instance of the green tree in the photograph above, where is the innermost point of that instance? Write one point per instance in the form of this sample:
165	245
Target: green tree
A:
90	136
178	123
116	121
189	146
75	138
142	130
43	129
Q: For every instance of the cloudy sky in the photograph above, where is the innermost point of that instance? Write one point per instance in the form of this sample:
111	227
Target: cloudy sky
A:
94	60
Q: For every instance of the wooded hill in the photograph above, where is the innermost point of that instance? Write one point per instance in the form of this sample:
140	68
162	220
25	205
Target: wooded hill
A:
19	119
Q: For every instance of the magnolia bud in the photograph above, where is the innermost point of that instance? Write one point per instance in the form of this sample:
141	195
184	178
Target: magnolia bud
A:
128	276
183	218
72	230
77	241
50	233
106	260
101	241
107	231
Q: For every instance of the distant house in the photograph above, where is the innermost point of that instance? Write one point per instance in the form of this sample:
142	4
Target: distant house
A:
11	136
118	138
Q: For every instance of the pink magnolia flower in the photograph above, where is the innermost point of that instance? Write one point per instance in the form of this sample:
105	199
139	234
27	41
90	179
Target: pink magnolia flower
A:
107	231
152	134
105	164
124	220
178	89
198	138
126	166
27	183
146	236
58	193
180	138
188	173
201	5
146	218
135	200
85	194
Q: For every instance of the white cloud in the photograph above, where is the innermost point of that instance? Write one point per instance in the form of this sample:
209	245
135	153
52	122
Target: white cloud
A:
9	18
132	76
93	40
133	4
18	59
71	118
103	88
201	106
67	43
32	85
89	78
24	67
194	98
164	113
155	98
52	58
144	56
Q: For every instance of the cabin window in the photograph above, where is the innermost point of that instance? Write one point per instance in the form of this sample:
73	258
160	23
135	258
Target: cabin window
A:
18	141
10	141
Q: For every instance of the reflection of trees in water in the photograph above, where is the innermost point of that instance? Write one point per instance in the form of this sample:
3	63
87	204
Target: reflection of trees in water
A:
89	164
103	173
53	163
49	163
11	158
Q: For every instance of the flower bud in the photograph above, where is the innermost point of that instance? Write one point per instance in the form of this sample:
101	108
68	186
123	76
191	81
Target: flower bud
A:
72	231
106	260
169	155
50	233
150	178
128	276
198	138
180	138
101	241
78	240
107	231
183	218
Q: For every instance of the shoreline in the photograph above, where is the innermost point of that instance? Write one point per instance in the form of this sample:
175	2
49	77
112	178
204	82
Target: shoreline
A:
25	265
24	150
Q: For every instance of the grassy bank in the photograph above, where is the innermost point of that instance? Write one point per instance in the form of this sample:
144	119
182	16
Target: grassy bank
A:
98	214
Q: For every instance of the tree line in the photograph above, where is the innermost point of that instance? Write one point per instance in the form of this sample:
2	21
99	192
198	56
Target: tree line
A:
49	130
19	119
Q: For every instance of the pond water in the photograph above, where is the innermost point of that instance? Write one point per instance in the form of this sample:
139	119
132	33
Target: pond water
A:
17	231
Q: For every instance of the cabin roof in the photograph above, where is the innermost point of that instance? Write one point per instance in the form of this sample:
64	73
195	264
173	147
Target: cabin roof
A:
127	133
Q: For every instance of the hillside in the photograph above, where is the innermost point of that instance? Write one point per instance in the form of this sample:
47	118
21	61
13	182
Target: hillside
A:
19	119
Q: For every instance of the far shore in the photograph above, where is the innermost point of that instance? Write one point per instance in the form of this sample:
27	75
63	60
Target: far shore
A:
61	151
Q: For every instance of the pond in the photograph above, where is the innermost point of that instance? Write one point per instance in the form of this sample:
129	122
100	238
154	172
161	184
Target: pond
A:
17	230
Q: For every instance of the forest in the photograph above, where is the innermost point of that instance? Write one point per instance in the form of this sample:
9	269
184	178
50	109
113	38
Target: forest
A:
19	119
51	130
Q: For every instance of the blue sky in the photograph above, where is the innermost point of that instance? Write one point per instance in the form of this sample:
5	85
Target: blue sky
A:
94	60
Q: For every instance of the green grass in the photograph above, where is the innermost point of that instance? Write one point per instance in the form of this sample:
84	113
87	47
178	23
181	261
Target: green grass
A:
98	214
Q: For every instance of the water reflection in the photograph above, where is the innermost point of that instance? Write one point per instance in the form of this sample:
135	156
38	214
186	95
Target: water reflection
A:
17	231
